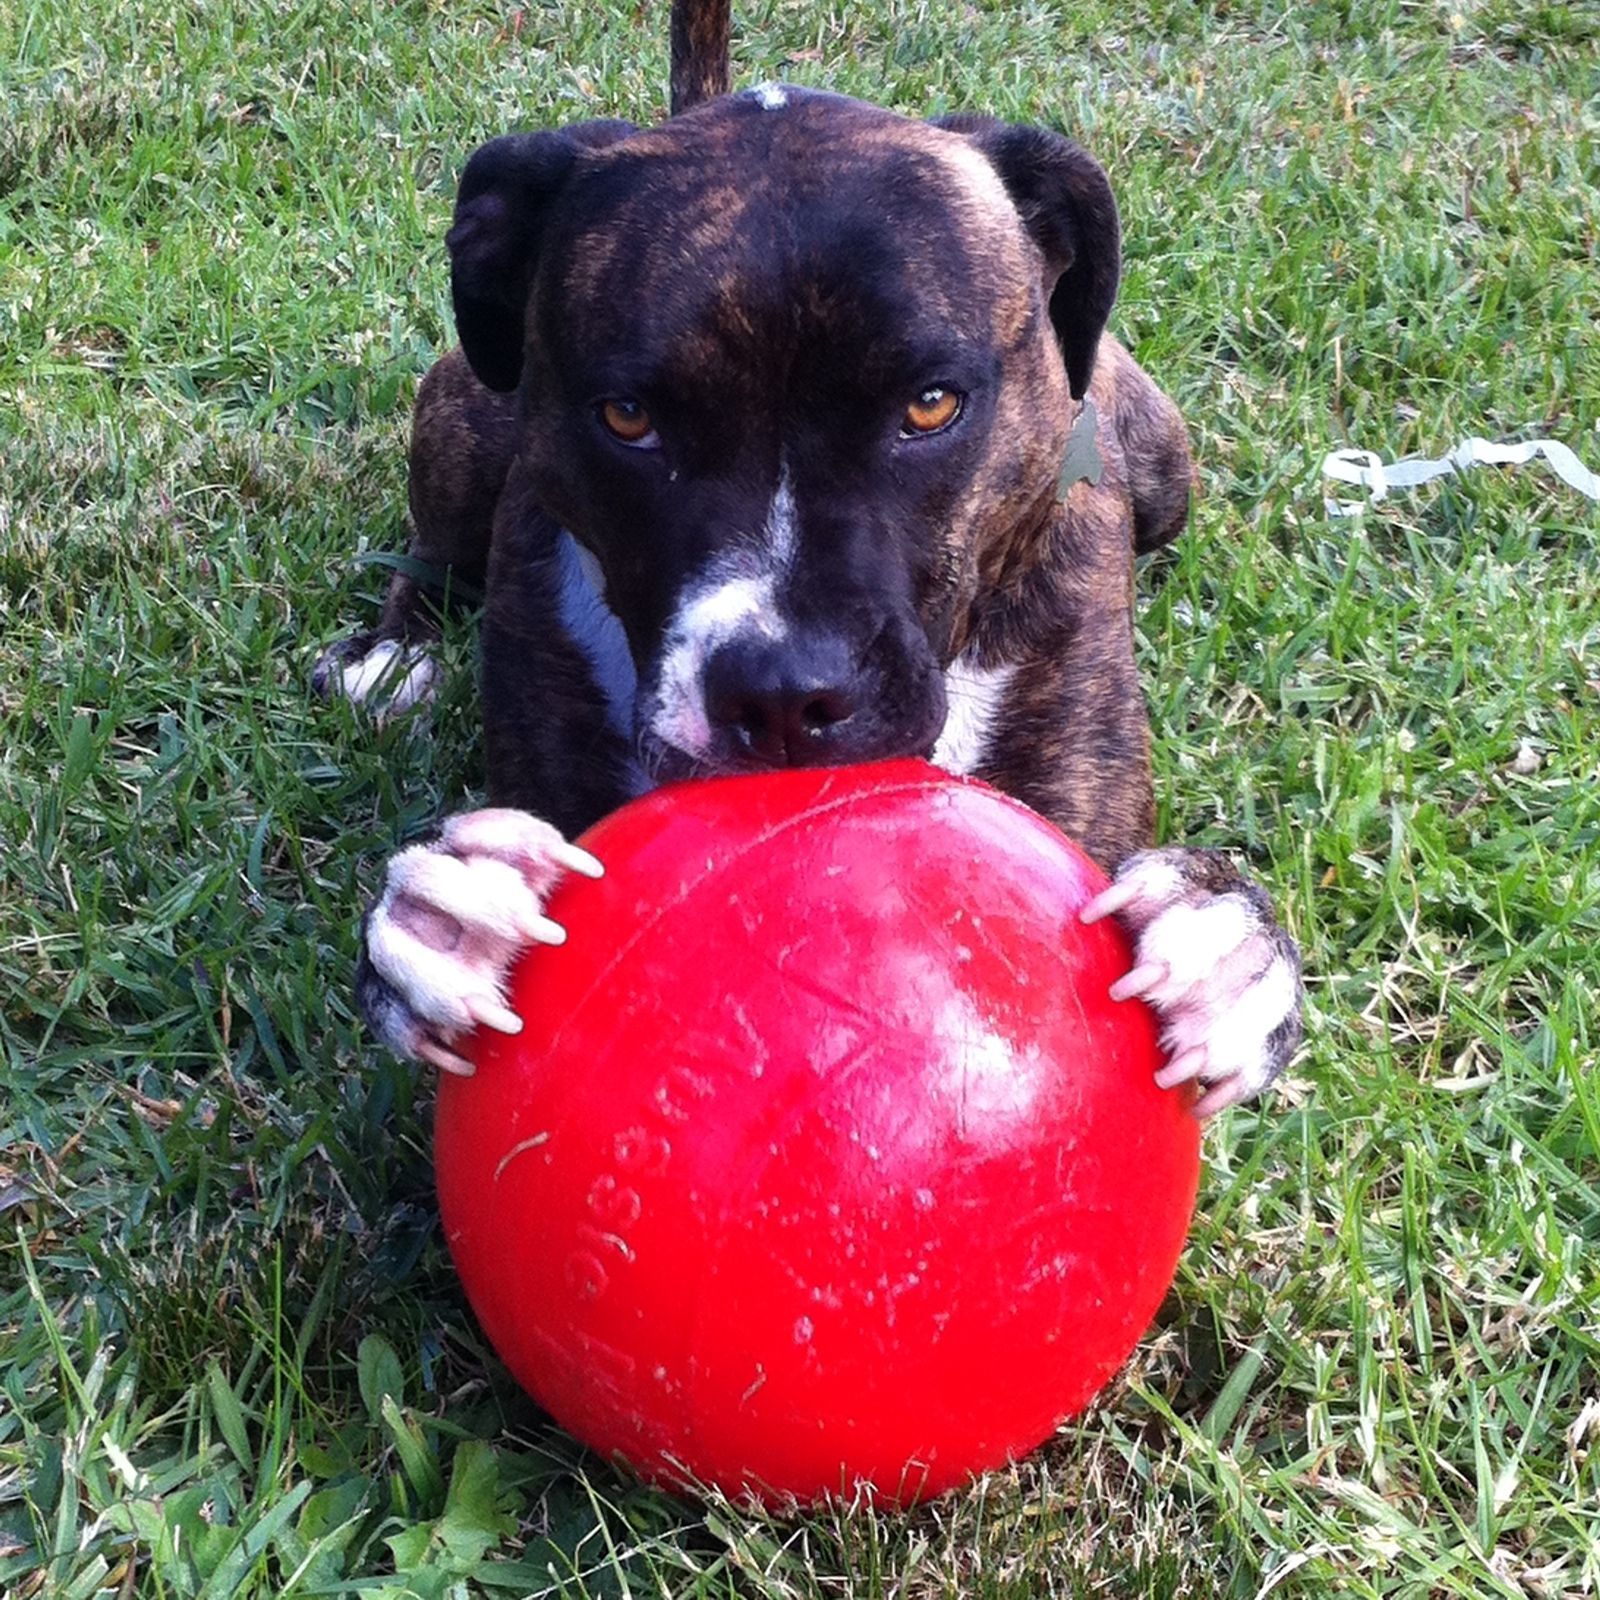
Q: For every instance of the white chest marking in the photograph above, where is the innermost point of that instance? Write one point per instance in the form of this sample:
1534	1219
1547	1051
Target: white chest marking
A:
593	626
975	695
771	96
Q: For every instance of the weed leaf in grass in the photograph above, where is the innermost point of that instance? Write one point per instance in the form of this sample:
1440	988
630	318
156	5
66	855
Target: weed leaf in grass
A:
229	1413
379	1374
428	1555
417	1461
314	1552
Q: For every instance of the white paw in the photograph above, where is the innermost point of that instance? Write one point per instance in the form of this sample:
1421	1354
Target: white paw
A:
1221	975
453	917
387	679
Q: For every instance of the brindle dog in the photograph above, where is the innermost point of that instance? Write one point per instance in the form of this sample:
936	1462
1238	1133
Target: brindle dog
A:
755	441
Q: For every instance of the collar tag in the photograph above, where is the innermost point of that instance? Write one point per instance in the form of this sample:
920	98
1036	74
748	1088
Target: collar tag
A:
1082	463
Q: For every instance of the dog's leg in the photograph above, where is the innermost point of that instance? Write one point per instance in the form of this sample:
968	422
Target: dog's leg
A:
454	914
463	441
1212	960
1067	735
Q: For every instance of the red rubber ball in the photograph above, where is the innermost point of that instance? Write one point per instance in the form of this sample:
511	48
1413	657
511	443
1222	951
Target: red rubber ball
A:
824	1158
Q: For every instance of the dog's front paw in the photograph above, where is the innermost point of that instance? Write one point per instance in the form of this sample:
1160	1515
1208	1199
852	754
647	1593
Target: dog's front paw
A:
453	916
1211	958
383	675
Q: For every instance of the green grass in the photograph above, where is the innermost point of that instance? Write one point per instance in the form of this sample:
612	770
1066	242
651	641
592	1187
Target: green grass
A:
233	1359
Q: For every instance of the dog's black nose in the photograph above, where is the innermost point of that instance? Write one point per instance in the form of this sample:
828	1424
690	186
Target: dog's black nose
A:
783	702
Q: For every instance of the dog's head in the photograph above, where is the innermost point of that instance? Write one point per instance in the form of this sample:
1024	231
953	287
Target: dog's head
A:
796	371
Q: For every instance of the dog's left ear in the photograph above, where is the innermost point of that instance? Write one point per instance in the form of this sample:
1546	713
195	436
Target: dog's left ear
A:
1066	204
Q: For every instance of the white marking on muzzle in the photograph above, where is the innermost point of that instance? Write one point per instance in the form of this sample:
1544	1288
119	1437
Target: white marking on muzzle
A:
716	611
975	695
737	595
782	526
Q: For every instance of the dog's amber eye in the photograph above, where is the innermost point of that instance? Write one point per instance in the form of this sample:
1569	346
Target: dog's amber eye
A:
628	421
933	409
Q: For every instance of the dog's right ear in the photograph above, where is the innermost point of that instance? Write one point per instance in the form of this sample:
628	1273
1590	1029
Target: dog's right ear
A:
501	207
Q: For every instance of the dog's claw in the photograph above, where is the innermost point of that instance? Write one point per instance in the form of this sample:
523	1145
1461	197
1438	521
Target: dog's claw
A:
436	1055
1227	1093
1108	902
1145	977
576	859
1181	1068
489	1013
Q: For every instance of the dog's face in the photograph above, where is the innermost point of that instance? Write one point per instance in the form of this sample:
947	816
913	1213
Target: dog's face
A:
795	371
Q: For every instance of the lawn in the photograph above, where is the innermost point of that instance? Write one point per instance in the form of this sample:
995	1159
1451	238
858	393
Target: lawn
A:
233	1358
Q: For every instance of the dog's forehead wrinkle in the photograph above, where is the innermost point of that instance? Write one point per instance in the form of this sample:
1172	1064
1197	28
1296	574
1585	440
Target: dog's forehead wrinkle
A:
835	233
977	174
705	171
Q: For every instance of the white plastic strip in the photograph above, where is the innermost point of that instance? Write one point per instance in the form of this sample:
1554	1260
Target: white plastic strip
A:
1367	471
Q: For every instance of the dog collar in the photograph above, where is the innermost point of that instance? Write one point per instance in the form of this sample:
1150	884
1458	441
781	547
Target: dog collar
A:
1081	463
